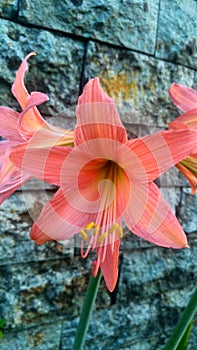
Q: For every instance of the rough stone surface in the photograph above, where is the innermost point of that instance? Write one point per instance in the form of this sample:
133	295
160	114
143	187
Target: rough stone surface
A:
187	213
41	338
150	286
137	82
42	287
117	22
56	69
177	40
9	9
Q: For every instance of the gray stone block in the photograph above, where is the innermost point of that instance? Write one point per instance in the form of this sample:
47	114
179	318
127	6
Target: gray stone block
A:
188	212
9	9
16	217
132	23
38	338
56	69
137	82
177	29
153	282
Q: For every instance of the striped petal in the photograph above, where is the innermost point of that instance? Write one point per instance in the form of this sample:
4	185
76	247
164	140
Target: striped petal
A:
11	177
28	123
8	124
44	163
18	88
151	218
183	97
20	92
155	154
59	220
109	266
97	116
186	120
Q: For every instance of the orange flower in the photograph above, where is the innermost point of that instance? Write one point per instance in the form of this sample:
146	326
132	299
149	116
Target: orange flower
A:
185	98
106	179
27	128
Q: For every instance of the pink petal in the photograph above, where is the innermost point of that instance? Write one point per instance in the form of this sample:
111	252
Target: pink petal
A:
29	122
154	154
97	116
189	176
59	220
189	119
21	94
8	124
18	89
42	163
183	97
151	218
11	177
93	92
15	179
109	266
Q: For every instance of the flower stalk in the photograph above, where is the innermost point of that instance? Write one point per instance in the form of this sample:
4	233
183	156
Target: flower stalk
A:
87	311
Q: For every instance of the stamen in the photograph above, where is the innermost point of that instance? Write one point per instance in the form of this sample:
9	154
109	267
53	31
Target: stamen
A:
83	235
102	237
114	227
84	255
90	226
120	231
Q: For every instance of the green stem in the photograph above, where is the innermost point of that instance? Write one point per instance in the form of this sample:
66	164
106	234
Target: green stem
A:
87	311
183	323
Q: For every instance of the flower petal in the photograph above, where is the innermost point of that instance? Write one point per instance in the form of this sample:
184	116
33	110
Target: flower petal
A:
18	88
109	266
189	119
155	222
59	220
8	124
44	163
158	152
11	177
32	117
28	122
93	92
183	97
97	116
188	167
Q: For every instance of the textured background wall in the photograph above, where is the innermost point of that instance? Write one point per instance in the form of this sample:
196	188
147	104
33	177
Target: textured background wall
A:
137	48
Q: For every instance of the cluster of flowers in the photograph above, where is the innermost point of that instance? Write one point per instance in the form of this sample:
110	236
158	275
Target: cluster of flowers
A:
103	177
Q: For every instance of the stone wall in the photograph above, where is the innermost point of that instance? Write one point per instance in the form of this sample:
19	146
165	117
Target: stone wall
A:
137	48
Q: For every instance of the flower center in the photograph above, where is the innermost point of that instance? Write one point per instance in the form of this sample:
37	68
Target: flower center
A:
104	182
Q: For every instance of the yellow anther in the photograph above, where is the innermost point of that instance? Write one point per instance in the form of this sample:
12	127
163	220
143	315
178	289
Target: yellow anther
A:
113	228
83	235
120	232
102	237
90	225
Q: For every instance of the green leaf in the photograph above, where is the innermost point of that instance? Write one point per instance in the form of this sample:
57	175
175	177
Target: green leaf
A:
183	324
2	323
183	345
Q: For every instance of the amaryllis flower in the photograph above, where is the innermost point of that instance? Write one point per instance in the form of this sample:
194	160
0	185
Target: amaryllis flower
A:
106	179
185	98
27	128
